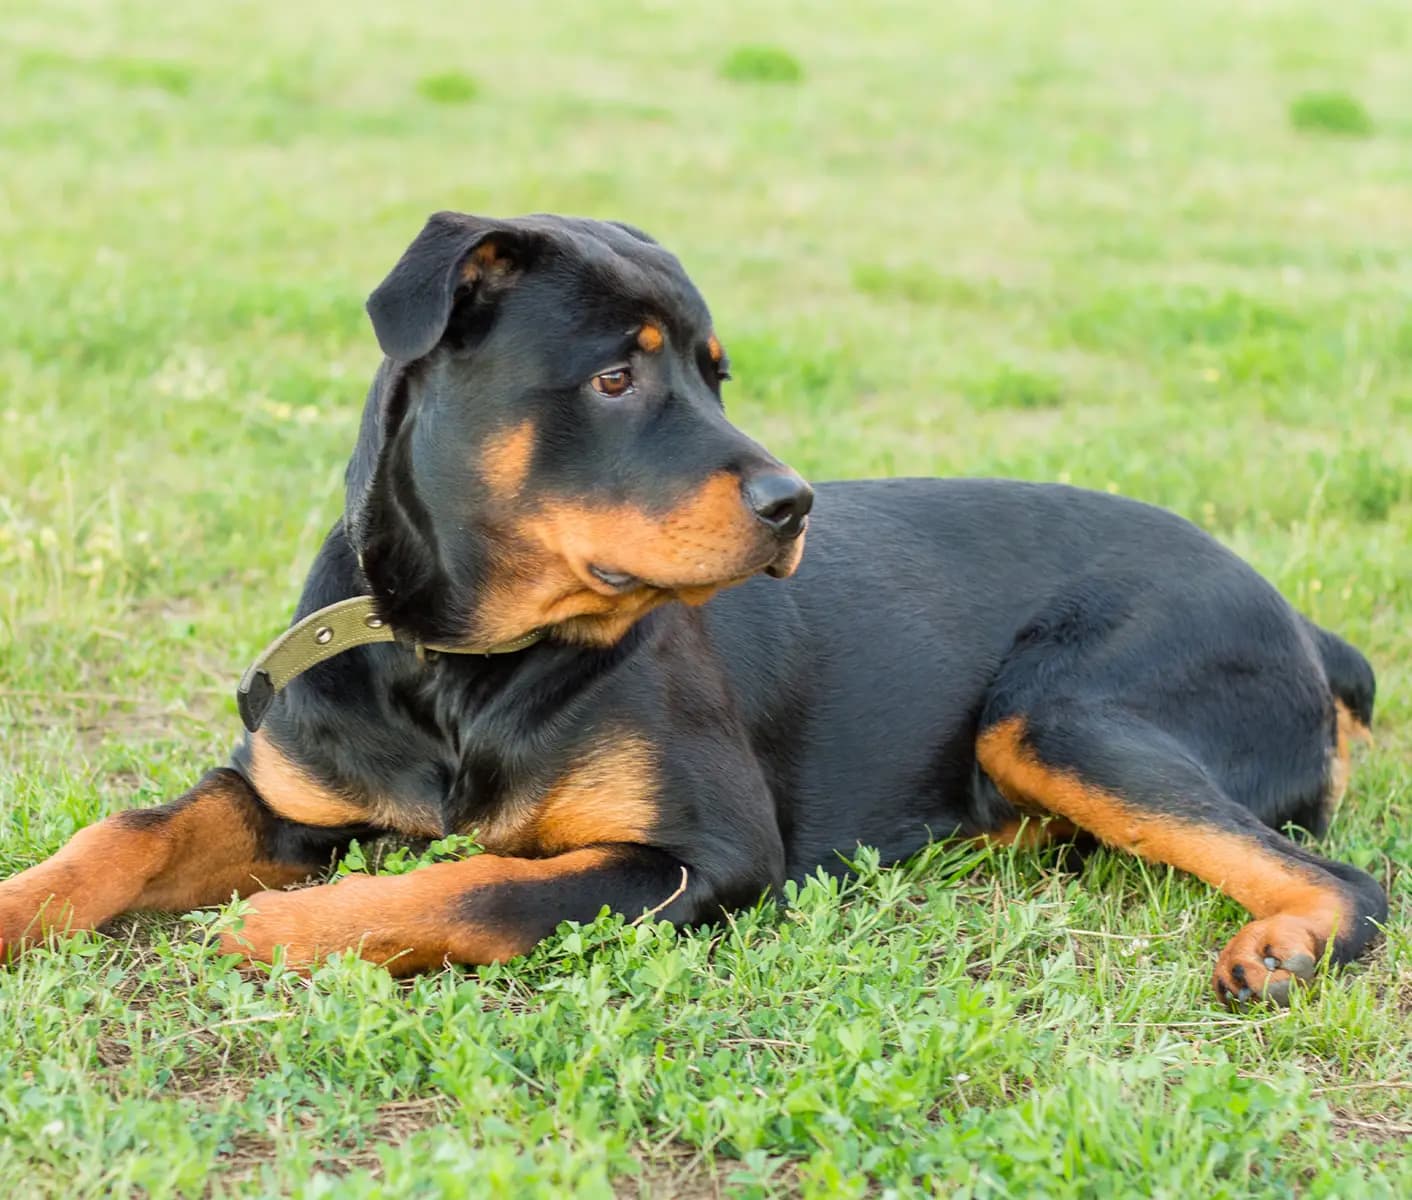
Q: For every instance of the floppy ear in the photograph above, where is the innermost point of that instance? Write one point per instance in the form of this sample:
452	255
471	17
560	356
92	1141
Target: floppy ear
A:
384	519
453	256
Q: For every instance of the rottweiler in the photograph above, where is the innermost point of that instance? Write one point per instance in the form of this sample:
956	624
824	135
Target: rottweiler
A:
543	618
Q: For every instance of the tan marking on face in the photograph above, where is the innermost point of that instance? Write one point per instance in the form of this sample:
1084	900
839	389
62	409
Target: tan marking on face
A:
289	790
793	554
1263	881
415	922
543	578
713	348
505	460
650	338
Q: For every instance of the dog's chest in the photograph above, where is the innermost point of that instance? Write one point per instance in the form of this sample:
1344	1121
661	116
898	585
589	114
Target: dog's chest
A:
535	779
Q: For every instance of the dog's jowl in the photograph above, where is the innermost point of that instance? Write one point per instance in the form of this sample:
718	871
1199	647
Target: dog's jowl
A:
568	607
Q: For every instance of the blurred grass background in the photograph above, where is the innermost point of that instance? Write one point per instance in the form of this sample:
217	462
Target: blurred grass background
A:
1157	249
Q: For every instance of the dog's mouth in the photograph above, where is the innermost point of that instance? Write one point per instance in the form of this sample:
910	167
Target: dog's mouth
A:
618	581
786	562
782	563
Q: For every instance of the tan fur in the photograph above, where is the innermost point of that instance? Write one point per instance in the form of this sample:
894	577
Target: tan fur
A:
1298	904
198	852
610	795
1348	729
505	460
408	923
708	542
287	789
485	261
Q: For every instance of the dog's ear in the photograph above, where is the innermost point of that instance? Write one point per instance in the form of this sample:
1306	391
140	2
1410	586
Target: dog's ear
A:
454	257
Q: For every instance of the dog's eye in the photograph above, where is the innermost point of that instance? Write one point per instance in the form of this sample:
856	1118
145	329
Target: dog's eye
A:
613	383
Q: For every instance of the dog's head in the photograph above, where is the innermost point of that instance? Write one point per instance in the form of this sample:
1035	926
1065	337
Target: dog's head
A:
545	444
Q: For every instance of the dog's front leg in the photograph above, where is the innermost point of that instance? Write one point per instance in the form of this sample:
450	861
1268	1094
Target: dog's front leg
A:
217	840
482	909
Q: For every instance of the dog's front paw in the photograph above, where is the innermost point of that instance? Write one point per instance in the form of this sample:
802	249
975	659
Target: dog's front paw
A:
1264	959
310	924
27	916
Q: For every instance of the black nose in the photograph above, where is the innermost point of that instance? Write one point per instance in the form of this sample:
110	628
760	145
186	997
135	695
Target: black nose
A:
781	499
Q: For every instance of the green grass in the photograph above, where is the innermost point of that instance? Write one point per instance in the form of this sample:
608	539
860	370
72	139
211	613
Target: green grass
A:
1330	112
1087	244
449	87
761	64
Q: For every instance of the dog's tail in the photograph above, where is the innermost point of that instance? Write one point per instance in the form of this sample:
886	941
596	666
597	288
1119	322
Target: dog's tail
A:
1350	675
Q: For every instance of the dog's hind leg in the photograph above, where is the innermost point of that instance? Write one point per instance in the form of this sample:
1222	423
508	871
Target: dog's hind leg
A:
1115	775
216	841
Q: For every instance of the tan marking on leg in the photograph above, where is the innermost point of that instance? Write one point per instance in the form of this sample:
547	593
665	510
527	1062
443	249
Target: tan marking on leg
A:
1351	726
1257	878
505	460
1291	940
1261	880
407	922
289	790
1348	729
199	850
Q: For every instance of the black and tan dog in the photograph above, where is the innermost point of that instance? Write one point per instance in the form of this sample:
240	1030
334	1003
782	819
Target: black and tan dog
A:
545	469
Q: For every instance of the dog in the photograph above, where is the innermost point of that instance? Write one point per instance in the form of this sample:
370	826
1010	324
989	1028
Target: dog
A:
545	618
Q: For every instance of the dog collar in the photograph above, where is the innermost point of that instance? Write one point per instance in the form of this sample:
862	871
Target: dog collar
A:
325	633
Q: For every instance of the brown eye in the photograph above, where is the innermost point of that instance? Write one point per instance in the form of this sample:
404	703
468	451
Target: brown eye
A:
613	383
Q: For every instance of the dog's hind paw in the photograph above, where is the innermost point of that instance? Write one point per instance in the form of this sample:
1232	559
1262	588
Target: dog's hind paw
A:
1265	959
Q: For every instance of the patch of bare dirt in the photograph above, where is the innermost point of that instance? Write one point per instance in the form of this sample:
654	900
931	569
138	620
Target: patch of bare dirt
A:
396	1121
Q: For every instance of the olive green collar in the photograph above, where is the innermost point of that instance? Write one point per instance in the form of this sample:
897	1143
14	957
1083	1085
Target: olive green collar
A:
330	631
